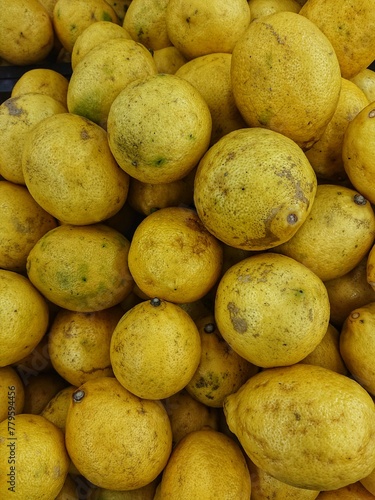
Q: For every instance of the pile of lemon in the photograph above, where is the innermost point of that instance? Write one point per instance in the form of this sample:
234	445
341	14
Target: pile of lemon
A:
187	250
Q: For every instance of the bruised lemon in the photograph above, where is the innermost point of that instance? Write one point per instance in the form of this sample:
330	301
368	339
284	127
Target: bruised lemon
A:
271	309
81	268
254	188
313	413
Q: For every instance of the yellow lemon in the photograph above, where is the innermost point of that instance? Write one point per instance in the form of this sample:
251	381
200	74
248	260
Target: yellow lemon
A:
18	115
159	128
337	234
197	28
23	317
86	186
33	458
28	34
81	268
71	19
272	81
261	8
92	36
39	389
210	75
12	391
349	492
42	81
172	256
349	292
365	80
168	59
325	155
254	188
78	343
221	371
369	482
299	423
101	75
145	20
358	150
271	309
206	464
186	415
56	410
264	486
138	436
23	222
357	345
327	353
350	27
149	369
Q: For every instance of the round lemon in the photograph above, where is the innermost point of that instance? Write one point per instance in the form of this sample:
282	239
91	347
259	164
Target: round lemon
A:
159	127
149	369
271	309
254	188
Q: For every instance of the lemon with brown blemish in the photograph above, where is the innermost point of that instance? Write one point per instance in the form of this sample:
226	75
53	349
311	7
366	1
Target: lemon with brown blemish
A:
271	309
311	412
221	371
254	188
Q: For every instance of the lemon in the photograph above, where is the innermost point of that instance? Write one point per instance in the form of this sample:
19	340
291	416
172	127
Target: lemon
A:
24	317
93	35
83	188
159	127
357	151
101	75
29	32
187	414
254	188
145	21
42	81
210	75
206	464
350	27
300	424
39	390
271	309
261	8
197	28
338	233
168	59
81	268
357	345
56	410
365	80
221	371
149	369
78	343
138	436
23	223
18	115
272	81
33	458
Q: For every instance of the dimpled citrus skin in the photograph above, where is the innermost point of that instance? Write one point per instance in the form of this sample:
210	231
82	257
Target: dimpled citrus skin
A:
305	425
254	188
272	310
273	84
